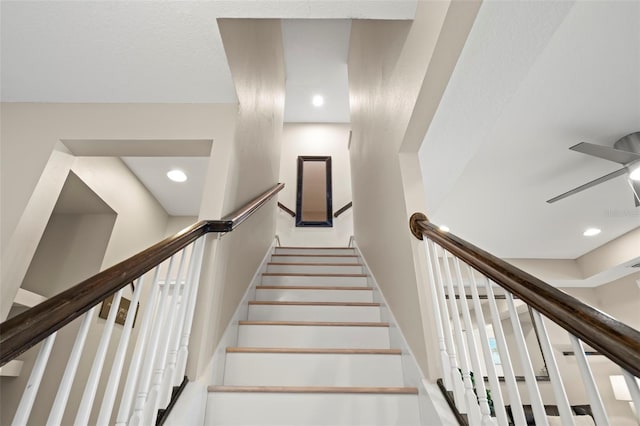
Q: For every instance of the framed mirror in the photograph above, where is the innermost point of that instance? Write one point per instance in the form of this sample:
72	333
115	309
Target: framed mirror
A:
313	198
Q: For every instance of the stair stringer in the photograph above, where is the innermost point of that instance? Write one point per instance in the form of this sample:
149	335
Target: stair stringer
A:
431	403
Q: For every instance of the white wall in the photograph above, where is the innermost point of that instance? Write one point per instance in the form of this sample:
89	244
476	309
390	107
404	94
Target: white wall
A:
388	62
71	250
140	222
320	140
240	171
178	223
32	172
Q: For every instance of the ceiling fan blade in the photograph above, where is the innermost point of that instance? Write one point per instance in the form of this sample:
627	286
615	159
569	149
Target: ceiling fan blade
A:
606	153
635	185
589	185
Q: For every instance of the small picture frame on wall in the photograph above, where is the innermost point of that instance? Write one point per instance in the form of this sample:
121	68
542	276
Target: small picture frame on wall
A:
123	310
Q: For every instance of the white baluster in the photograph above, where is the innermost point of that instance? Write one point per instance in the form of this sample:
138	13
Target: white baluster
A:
454	375
566	414
183	351
118	362
634	389
597	407
483	402
64	389
138	353
170	320
529	375
84	411
444	356
507	367
496	389
176	331
473	411
31	390
137	417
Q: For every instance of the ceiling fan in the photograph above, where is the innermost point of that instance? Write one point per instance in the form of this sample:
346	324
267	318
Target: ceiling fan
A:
625	151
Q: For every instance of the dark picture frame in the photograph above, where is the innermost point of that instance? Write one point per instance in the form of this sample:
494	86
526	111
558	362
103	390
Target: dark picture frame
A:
318	218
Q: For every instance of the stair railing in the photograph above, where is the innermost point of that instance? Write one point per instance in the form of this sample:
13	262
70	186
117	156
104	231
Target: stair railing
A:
343	209
159	359
456	267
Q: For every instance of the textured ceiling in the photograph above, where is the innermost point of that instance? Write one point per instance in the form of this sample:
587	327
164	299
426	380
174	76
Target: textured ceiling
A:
534	79
141	51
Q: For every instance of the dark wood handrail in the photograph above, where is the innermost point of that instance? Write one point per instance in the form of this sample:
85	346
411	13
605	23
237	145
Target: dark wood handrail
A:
343	209
612	338
32	326
287	209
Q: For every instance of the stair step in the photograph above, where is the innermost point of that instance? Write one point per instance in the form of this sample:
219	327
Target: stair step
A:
318	389
314	267
318	323
314	293
311	406
314	311
305	334
314	250
300	279
312	368
297	303
349	259
232	349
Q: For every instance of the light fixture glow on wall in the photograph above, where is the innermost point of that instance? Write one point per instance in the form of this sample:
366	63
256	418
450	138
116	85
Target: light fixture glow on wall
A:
635	174
590	232
177	175
317	100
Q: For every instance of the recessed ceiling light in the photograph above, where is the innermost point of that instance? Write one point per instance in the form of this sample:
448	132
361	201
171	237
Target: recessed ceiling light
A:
635	174
444	228
177	175
317	100
590	232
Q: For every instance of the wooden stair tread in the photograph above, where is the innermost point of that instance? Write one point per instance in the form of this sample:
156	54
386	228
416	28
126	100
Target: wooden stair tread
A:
314	255
296	303
252	350
317	389
312	264
315	248
309	287
317	323
303	274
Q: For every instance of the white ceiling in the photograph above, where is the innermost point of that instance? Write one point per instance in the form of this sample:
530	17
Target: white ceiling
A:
177	198
141	51
316	53
534	79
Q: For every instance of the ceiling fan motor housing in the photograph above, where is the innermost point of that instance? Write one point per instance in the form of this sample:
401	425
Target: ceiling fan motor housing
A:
629	143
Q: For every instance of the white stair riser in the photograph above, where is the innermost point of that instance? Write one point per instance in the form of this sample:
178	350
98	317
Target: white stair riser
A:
293	280
269	409
314	313
302	336
316	269
315	295
280	250
314	259
266	369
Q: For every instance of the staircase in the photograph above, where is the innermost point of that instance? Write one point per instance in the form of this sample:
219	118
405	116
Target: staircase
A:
313	350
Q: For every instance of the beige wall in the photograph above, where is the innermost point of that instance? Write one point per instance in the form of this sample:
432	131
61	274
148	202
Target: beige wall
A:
140	221
32	171
319	140
242	171
388	62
